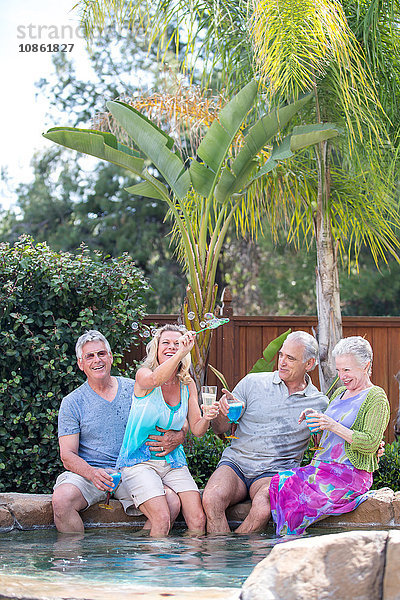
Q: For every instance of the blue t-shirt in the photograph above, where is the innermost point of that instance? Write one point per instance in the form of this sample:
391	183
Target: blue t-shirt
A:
100	424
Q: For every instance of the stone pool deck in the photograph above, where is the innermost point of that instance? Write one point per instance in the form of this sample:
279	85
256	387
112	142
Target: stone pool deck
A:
30	511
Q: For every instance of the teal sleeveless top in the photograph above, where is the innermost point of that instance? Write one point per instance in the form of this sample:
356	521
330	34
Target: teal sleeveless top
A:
146	413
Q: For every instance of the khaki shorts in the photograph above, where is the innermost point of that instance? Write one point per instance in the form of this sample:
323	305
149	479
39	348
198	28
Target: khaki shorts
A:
146	480
92	495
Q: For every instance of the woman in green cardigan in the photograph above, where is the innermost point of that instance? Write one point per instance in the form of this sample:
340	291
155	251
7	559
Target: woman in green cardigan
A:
350	431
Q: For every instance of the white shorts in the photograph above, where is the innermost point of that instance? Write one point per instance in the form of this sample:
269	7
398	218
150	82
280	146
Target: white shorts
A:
92	495
146	480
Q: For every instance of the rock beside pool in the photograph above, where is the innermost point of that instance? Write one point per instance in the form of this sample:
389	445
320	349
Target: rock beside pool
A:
28	511
32	511
361	565
381	509
391	581
6	519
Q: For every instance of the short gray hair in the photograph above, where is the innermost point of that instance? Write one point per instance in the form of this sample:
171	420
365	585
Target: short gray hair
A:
90	336
358	347
308	341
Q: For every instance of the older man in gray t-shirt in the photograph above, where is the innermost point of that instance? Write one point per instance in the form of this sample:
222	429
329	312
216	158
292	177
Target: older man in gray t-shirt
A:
269	436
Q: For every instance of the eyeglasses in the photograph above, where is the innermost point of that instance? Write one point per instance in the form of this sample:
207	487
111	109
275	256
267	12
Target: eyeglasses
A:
91	355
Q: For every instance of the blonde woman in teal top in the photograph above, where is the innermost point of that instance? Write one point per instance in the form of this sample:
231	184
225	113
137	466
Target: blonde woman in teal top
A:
164	396
340	473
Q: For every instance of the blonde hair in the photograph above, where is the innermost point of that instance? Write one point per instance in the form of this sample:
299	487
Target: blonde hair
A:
151	360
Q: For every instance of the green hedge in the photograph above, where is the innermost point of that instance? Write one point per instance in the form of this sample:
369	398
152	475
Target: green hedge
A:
47	299
388	474
203	455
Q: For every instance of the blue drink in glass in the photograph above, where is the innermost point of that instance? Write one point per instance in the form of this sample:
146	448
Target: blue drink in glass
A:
309	412
235	408
234	412
116	478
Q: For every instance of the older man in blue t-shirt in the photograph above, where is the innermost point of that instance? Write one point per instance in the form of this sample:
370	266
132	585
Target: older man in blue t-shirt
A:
91	426
269	436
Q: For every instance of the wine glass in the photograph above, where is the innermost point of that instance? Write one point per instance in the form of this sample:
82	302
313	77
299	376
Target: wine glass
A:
116	478
309	412
234	412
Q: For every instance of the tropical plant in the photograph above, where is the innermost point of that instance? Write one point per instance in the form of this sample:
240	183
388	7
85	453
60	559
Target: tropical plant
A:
348	54
267	361
208	195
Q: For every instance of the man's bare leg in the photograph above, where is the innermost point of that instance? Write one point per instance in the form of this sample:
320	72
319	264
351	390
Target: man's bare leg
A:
223	489
67	501
260	510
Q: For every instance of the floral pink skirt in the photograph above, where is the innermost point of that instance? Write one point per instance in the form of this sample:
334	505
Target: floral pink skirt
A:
304	495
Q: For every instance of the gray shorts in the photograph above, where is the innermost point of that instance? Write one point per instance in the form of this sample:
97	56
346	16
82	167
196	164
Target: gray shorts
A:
92	495
147	480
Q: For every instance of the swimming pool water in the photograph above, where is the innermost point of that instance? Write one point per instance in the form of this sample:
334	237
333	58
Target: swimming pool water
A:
123	556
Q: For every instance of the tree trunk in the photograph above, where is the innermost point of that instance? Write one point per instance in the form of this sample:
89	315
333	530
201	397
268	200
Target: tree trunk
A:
327	277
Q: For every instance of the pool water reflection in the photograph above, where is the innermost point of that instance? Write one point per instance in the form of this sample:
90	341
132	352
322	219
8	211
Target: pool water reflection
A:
122	556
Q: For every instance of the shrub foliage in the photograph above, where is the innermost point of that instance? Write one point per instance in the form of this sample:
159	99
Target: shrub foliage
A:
388	474
48	299
203	455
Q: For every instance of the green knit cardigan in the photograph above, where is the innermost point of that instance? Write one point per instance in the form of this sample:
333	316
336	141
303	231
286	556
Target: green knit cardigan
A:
369	427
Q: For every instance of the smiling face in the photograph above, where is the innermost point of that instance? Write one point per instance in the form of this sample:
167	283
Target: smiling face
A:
96	361
168	345
291	365
352	374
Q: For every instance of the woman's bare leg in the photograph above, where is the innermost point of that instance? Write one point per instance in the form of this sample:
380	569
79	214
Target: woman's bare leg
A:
174	505
157	511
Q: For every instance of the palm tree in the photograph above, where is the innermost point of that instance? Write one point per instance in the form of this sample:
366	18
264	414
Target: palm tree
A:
355	74
214	190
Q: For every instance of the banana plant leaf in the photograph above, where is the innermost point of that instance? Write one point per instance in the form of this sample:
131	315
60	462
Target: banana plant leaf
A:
220	376
302	137
264	130
214	146
97	143
256	139
155	144
267	363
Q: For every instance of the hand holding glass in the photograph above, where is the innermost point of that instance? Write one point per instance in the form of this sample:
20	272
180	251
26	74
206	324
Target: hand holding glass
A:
208	396
116	478
234	412
309	414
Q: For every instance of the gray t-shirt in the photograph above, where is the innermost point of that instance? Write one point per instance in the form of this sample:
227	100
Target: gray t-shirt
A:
100	424
269	435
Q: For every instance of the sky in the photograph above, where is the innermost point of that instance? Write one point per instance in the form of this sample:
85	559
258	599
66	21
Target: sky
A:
22	24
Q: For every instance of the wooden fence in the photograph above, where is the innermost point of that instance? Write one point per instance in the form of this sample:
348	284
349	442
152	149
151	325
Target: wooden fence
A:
236	346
